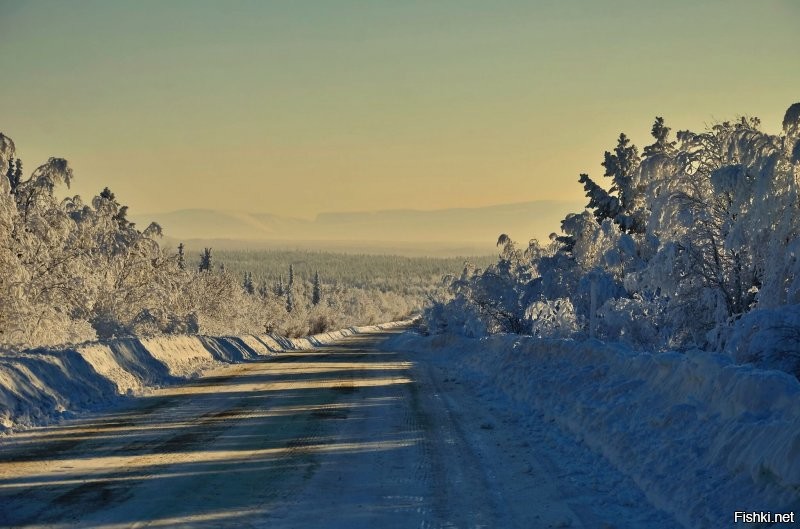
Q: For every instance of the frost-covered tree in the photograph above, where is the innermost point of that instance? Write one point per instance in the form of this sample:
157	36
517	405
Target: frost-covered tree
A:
75	270
691	235
247	283
289	300
780	284
316	294
495	296
602	203
263	291
206	261
623	202
82	268
712	226
181	257
14	174
290	290
662	145
7	152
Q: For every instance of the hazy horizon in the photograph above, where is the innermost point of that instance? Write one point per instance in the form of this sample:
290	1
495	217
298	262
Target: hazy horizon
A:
300	109
323	212
451	231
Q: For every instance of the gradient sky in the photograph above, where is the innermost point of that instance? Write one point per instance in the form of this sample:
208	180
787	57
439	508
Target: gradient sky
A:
296	108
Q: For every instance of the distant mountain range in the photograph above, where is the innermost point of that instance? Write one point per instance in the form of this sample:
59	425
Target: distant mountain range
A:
476	228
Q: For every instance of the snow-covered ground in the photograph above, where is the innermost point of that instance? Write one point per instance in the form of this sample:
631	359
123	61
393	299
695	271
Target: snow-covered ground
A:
700	436
627	439
351	435
41	386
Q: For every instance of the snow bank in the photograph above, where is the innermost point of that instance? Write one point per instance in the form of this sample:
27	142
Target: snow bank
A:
766	338
39	386
701	436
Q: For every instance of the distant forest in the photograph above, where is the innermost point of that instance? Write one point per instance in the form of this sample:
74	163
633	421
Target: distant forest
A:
412	276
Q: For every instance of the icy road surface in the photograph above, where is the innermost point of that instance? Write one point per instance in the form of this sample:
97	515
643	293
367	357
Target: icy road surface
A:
347	436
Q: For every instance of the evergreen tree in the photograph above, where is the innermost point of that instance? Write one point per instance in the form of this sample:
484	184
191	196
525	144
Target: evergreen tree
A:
119	213
14	174
121	218
279	290
181	257
603	204
289	300
620	166
661	134
107	194
316	294
289	290
247	284
205	261
18	172
10	174
622	203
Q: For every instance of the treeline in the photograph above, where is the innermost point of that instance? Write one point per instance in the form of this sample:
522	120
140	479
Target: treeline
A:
74	271
695	243
408	276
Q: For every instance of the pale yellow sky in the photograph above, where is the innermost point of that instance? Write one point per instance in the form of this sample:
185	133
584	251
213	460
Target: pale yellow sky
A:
298	108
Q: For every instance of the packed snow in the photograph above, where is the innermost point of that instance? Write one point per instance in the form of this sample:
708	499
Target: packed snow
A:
701	436
43	385
357	434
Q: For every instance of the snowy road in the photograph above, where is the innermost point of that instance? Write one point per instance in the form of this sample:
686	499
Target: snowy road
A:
346	436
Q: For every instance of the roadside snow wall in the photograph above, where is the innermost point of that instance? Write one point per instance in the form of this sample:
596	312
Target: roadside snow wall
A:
702	437
40	386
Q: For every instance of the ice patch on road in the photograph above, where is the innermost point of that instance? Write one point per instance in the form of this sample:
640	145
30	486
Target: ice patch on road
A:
43	385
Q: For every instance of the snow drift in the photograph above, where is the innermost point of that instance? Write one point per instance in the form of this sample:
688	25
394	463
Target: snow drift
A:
42	385
701	436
